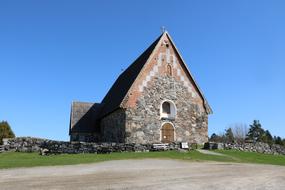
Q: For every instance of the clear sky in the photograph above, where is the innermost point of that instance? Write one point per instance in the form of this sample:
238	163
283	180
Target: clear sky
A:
54	52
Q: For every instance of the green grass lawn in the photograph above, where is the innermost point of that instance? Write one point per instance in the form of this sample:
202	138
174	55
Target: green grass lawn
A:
252	157
14	160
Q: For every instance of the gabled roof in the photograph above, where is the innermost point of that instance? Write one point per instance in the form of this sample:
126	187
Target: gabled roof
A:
120	88
206	105
84	117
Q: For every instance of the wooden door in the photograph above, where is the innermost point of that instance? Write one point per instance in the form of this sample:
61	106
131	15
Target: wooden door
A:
167	133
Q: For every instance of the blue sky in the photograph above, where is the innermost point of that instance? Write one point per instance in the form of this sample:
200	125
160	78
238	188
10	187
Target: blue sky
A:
54	52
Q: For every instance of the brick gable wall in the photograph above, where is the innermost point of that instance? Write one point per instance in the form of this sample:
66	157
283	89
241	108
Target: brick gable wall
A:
157	66
153	85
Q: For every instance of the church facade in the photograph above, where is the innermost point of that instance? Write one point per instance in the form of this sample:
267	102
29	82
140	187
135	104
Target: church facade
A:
155	100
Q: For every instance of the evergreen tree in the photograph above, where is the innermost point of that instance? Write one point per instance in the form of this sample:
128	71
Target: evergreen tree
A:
278	140
213	137
229	135
216	138
256	132
267	138
5	131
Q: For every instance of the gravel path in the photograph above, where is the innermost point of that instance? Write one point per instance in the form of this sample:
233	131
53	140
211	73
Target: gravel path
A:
146	174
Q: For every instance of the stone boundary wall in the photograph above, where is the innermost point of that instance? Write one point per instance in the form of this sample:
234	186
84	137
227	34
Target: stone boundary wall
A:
45	146
249	147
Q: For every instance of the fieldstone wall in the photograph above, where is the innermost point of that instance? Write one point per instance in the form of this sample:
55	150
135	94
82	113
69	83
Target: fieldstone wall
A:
45	146
249	147
257	147
23	144
113	127
143	122
85	137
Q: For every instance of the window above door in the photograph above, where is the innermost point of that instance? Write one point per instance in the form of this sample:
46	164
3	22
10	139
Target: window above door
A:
168	110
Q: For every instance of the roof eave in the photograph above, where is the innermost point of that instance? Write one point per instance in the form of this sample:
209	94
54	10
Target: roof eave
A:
206	105
146	63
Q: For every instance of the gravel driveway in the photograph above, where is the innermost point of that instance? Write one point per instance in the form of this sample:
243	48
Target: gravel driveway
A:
146	174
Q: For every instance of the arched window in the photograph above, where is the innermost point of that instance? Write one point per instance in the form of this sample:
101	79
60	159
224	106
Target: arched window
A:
166	107
168	110
169	70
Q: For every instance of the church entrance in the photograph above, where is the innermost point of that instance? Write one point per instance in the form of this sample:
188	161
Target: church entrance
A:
167	133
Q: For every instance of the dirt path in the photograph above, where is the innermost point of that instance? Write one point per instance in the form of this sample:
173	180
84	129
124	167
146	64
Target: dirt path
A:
146	174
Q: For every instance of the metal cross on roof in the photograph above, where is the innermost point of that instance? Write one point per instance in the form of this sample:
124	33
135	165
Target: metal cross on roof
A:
162	29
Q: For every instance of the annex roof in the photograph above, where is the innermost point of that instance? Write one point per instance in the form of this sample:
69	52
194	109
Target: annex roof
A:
84	117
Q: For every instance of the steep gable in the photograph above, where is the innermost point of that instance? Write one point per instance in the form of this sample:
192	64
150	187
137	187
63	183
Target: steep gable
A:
191	78
135	107
165	54
123	89
118	91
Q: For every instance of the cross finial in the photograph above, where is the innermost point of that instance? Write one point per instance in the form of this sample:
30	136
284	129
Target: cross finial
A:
162	29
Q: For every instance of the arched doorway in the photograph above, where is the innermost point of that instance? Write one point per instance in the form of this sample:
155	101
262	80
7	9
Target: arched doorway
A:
167	133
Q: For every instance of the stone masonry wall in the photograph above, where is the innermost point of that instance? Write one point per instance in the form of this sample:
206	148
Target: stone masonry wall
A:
143	123
248	147
45	146
23	144
164	77
113	127
257	147
85	137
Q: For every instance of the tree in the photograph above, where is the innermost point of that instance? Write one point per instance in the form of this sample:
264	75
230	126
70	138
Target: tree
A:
239	131
267	137
255	132
5	131
229	135
278	140
215	138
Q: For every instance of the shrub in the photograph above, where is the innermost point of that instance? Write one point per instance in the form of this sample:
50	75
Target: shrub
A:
5	131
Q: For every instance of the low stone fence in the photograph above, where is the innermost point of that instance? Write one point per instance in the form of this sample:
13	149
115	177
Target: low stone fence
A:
23	144
45	146
249	147
258	147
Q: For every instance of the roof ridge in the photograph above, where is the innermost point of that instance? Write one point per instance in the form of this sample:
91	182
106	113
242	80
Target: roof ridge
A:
120	88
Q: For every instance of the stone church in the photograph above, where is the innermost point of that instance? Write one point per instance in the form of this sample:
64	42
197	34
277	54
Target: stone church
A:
155	100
